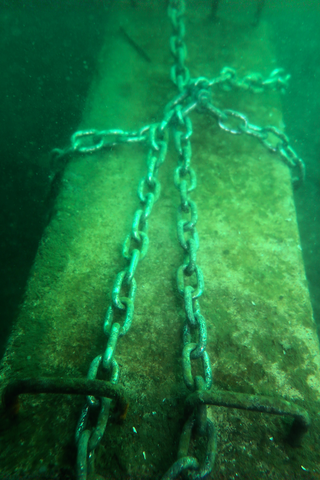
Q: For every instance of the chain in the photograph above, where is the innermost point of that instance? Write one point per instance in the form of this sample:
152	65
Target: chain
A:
195	327
179	73
90	141
255	82
135	248
193	94
196	94
271	137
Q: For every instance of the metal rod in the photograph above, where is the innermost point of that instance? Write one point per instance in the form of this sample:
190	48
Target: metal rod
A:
255	403
70	386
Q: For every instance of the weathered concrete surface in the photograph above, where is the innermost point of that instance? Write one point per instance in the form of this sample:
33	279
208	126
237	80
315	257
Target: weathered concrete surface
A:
261	333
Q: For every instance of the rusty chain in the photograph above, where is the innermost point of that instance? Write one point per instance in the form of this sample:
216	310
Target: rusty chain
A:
197	95
193	94
195	327
135	248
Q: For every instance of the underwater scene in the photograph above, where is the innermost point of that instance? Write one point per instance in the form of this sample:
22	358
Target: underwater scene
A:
160	284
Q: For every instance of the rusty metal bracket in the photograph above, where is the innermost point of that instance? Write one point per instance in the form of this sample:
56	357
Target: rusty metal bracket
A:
255	403
60	385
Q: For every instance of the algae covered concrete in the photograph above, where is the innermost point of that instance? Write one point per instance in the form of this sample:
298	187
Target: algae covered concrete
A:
261	334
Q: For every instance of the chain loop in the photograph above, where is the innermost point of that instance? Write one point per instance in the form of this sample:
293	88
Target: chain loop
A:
117	287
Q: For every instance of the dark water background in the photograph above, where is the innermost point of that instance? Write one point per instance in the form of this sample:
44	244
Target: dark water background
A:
48	53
